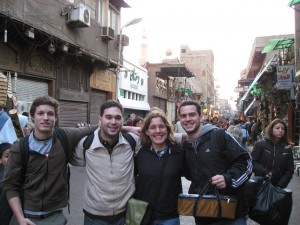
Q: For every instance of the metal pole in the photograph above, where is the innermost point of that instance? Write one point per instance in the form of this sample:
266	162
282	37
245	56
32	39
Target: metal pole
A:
119	64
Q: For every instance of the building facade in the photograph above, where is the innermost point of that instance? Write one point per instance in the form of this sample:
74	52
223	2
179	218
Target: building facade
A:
267	86
201	63
65	49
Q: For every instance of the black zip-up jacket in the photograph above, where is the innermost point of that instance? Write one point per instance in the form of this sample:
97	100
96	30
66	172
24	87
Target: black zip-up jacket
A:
158	180
215	152
268	157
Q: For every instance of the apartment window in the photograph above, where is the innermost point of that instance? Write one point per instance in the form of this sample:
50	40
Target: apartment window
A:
113	18
203	73
183	50
99	12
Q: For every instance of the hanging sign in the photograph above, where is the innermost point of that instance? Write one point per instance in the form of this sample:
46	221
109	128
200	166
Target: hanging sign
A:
285	77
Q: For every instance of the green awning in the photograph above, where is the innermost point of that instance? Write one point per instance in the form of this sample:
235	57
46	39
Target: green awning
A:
278	43
261	72
293	2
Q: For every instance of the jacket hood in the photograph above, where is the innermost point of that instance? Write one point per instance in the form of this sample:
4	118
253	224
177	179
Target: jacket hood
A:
204	130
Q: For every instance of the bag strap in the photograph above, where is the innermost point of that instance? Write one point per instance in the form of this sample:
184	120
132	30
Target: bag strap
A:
202	193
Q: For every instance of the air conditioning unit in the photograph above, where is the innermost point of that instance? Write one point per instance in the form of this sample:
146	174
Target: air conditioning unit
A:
107	33
125	40
79	16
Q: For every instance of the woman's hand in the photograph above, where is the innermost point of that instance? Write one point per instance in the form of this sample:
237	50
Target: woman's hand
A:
269	175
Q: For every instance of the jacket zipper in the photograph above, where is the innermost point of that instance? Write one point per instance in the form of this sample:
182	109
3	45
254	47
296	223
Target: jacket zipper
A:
273	159
45	184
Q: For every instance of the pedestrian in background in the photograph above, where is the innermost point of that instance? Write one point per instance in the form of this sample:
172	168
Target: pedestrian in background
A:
273	156
273	159
213	155
5	210
131	119
138	122
159	166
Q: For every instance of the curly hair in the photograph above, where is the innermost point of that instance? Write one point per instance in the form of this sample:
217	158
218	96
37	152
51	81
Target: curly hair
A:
145	140
269	131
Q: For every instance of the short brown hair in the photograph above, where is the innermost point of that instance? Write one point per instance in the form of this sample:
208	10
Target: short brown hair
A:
44	100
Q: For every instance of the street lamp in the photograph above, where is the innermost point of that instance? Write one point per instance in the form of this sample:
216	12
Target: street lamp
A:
120	45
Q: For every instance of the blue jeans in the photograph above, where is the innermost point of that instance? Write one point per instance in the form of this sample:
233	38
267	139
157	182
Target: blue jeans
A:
92	221
173	221
238	221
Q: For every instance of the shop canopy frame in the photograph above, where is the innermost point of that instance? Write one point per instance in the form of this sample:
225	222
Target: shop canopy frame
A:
293	2
278	43
272	60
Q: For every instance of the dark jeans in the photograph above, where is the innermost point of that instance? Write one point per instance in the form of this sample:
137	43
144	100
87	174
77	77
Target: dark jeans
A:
93	221
238	221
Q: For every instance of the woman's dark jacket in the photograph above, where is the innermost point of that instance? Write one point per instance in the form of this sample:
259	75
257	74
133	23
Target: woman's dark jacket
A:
215	152
268	157
158	180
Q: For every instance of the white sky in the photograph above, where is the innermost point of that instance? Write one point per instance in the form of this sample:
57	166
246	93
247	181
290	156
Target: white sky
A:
228	28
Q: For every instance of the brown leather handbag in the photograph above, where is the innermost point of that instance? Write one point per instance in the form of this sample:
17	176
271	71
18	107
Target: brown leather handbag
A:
208	206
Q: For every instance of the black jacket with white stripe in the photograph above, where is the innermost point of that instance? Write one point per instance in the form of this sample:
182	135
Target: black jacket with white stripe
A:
215	152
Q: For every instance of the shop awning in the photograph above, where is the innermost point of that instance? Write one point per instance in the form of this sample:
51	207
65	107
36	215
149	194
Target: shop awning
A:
255	80
278	43
132	104
253	104
293	2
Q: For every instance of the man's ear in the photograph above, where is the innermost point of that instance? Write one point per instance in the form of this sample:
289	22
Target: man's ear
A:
99	120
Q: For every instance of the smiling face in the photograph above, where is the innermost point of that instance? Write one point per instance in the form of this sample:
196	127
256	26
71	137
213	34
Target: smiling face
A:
111	123
158	133
190	120
44	120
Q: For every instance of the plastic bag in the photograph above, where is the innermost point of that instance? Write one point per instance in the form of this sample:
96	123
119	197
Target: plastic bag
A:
136	210
251	189
273	205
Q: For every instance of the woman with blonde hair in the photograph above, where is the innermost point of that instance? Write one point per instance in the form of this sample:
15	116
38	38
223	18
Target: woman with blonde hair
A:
159	165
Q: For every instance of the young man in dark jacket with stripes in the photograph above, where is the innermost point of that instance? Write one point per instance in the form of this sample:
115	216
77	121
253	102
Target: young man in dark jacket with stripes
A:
214	156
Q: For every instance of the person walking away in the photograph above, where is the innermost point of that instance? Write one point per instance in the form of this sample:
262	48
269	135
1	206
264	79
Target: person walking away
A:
273	157
159	165
214	155
245	136
42	183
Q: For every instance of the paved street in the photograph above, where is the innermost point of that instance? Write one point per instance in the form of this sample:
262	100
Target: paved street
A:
77	182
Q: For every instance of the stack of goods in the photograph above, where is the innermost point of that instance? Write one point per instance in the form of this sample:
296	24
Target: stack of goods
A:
3	89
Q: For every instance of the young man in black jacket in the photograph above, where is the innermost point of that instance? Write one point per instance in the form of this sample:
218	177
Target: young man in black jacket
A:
213	154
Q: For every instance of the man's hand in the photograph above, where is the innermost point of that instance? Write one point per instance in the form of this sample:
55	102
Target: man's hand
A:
219	181
26	221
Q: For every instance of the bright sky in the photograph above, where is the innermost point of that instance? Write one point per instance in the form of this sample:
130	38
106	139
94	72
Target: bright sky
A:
228	28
